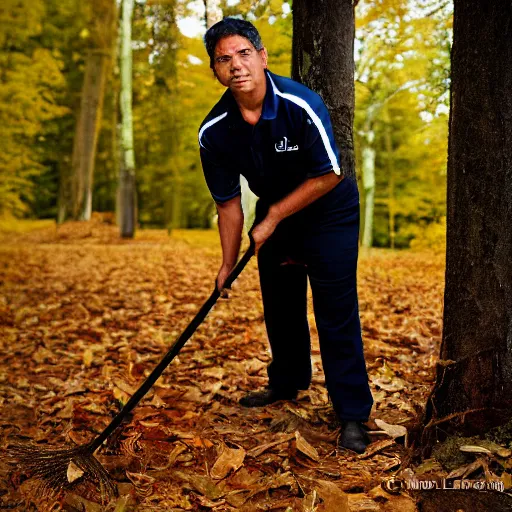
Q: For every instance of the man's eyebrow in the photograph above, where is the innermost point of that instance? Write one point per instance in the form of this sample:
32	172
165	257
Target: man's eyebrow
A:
238	51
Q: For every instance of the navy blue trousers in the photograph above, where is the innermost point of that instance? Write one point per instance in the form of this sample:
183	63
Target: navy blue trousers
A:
323	240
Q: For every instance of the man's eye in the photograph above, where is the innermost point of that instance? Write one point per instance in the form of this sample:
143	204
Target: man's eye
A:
222	59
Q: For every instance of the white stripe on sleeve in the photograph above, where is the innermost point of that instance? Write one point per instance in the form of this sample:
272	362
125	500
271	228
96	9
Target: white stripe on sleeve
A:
318	123
210	123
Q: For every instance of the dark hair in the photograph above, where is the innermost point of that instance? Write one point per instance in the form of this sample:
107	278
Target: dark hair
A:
230	27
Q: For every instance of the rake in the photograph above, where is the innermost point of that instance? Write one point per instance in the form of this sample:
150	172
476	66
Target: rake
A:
51	465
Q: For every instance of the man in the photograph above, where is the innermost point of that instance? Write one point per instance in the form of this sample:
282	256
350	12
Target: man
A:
278	134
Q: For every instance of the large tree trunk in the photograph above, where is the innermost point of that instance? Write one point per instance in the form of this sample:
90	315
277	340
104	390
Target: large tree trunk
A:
474	376
126	193
323	60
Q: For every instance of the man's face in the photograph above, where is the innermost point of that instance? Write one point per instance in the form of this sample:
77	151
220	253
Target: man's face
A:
238	65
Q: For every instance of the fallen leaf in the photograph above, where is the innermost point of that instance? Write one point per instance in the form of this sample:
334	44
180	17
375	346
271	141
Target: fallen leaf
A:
304	447
394	431
87	357
143	483
374	448
474	449
334	499
258	450
229	459
73	473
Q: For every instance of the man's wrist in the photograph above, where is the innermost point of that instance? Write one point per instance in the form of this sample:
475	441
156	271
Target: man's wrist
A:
274	214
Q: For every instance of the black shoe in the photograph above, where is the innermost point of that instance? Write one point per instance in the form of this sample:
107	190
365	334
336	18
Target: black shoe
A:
353	436
266	396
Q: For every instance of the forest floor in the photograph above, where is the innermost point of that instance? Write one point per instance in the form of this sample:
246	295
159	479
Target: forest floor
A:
84	316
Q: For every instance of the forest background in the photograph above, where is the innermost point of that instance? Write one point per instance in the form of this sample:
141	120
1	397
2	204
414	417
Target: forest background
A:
402	52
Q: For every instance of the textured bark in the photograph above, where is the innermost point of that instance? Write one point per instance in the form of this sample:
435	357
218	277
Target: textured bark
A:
474	376
368	168
75	194
86	137
468	499
126	194
323	60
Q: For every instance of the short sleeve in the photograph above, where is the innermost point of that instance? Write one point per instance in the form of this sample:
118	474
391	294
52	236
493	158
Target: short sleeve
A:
223	182
319	144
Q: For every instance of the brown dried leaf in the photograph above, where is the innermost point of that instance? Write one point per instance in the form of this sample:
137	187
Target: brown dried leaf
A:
466	470
87	357
376	448
258	450
394	431
143	483
334	499
229	459
304	447
73	472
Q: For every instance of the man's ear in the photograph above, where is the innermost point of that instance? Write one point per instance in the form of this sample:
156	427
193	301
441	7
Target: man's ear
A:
264	57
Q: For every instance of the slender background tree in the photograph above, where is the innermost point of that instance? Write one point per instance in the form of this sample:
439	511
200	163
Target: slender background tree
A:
126	193
77	185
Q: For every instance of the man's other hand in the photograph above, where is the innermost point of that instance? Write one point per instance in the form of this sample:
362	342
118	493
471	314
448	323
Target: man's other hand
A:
221	279
262	232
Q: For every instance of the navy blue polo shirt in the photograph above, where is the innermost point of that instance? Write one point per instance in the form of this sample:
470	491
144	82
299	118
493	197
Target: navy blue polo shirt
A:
292	141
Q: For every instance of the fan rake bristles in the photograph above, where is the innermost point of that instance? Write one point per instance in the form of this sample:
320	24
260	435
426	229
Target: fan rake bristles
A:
50	466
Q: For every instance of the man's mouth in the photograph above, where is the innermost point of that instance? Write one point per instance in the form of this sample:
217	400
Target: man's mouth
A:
240	80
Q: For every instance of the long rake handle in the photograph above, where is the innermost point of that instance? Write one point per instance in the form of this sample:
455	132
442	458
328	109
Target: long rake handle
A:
171	354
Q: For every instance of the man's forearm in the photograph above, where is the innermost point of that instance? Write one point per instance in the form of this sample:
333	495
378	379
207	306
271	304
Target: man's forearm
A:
305	194
302	196
231	222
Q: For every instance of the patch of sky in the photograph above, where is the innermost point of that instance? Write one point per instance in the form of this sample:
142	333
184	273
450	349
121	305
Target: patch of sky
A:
442	109
196	61
191	26
426	117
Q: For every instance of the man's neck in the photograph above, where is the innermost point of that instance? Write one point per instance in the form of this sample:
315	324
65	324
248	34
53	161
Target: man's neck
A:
251	105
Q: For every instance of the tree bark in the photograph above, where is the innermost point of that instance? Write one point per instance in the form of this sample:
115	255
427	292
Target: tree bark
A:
368	168
474	375
323	60
86	138
126	192
75	195
390	162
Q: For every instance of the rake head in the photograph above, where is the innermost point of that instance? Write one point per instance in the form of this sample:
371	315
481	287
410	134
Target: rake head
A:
51	467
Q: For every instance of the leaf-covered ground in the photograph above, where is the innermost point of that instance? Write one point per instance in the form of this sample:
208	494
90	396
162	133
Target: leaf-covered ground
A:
84	317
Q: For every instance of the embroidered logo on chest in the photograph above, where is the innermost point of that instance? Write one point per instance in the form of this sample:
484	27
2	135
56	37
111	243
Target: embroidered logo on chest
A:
285	145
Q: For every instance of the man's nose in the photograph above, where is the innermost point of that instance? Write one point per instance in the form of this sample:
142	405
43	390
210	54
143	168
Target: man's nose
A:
236	62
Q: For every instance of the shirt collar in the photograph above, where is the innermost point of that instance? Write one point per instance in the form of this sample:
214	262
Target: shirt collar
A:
270	102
